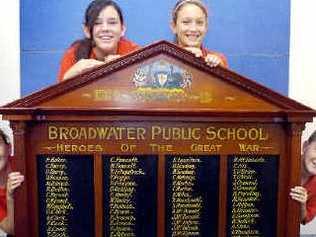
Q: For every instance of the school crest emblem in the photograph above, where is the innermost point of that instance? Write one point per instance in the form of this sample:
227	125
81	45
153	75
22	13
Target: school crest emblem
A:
162	74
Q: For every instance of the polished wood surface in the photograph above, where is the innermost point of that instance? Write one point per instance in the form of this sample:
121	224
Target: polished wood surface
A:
107	97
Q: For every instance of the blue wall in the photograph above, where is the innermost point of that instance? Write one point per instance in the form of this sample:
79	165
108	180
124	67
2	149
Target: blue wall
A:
254	35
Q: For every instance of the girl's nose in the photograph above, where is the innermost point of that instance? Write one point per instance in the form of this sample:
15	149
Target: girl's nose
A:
193	26
104	26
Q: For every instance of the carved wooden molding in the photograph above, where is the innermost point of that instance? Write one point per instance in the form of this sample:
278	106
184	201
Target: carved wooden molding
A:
161	47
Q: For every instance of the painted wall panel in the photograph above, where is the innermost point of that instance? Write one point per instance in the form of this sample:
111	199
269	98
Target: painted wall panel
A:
253	34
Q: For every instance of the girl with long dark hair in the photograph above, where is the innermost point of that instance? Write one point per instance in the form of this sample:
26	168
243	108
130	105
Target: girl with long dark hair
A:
104	30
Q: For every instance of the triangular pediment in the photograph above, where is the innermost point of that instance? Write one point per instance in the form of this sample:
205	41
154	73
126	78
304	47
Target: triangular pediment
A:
159	77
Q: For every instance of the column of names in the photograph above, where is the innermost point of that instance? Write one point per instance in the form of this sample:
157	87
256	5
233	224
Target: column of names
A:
252	195
186	208
245	196
65	194
192	195
58	205
122	193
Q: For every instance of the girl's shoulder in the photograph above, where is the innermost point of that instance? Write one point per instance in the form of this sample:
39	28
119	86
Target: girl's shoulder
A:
126	46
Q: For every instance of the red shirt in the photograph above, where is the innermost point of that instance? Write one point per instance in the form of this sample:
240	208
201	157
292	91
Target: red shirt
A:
3	195
310	186
69	59
3	203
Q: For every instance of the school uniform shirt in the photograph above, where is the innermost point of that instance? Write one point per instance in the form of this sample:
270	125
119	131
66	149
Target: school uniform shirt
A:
3	196
69	59
310	186
3	203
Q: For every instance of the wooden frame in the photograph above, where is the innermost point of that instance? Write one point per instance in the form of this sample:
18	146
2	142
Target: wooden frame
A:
233	102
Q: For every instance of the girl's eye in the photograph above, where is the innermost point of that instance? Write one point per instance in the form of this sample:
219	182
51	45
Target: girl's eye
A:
112	22
200	23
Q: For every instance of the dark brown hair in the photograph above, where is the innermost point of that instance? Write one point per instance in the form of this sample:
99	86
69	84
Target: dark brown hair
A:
92	12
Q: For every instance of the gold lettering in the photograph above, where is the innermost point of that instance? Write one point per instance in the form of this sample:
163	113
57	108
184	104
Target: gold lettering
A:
155	131
141	133
211	134
246	194
57	196
91	133
122	191
175	133
63	132
161	148
64	148
52	132
240	134
222	133
249	147
205	147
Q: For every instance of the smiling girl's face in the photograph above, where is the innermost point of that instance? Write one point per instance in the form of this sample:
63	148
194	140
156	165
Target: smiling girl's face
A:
107	31
190	25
